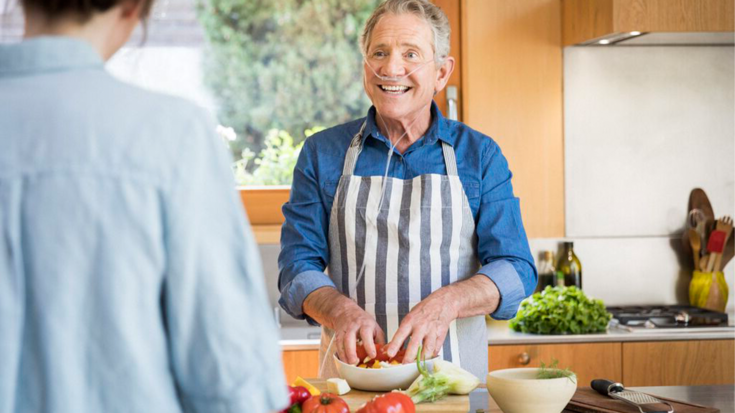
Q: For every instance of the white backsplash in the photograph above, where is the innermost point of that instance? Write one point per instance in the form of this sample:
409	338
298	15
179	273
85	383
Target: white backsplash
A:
632	271
643	126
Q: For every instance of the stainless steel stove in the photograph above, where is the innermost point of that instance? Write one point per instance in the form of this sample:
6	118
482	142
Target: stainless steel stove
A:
669	317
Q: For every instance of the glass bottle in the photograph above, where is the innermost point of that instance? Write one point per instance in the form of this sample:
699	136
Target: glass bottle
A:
546	271
570	267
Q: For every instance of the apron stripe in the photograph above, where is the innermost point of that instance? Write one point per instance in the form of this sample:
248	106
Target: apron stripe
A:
447	230
436	231
415	258
392	249
350	235
337	269
404	247
382	279
456	210
425	240
447	227
372	190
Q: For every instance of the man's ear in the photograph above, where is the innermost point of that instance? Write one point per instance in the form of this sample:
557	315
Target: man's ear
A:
443	74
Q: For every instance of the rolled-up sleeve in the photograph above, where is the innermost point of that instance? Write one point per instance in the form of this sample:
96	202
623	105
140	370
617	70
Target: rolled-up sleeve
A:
304	237
502	243
223	340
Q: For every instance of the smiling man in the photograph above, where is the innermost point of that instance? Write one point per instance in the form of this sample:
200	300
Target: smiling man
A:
413	214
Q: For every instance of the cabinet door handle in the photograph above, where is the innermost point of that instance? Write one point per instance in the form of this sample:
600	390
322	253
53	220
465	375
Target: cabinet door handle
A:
524	358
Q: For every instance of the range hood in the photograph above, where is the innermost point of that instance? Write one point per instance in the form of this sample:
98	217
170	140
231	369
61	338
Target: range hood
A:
648	22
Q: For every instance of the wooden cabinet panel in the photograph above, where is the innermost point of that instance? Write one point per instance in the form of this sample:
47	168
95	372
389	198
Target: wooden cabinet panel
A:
588	360
512	81
585	20
677	363
452	9
304	363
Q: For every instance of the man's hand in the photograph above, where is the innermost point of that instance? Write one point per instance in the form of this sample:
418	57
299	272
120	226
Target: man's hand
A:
428	322
349	322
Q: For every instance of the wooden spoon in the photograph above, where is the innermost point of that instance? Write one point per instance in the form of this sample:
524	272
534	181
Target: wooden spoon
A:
696	244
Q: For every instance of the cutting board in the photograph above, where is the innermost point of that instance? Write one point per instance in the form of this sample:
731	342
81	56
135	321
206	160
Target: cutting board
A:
586	400
356	398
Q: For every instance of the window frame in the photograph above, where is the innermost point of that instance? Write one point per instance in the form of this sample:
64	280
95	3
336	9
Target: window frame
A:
263	207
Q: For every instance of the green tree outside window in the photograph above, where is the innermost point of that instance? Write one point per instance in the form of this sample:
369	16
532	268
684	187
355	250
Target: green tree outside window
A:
283	65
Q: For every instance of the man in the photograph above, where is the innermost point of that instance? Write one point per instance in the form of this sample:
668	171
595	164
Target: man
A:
413	214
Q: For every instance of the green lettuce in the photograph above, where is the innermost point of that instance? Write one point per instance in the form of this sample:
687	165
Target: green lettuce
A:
561	310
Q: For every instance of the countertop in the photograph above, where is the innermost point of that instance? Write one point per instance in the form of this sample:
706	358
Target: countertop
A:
720	397
299	337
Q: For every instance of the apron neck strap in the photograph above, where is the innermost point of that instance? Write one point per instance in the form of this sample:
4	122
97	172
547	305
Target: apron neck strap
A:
356	147
353	152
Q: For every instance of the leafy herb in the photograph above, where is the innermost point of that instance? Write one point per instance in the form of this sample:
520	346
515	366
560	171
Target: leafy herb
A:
553	372
561	310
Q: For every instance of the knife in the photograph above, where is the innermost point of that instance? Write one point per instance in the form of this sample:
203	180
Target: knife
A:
644	402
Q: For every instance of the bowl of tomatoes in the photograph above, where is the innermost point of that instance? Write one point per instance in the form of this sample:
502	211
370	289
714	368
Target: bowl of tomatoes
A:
380	374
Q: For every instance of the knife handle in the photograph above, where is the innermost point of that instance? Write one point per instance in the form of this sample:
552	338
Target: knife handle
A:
605	387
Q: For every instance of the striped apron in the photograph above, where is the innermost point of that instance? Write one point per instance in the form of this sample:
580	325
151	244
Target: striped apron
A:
421	239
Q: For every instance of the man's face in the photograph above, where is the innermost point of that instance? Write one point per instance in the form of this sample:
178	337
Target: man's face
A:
400	44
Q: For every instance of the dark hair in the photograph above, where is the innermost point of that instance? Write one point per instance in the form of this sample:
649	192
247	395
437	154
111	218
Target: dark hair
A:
81	9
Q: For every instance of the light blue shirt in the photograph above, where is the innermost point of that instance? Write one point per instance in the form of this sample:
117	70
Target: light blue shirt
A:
129	279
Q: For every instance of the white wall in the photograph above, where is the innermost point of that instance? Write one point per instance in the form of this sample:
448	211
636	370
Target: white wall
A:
643	127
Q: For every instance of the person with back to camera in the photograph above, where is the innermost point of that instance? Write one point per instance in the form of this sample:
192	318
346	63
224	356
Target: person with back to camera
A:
129	279
414	214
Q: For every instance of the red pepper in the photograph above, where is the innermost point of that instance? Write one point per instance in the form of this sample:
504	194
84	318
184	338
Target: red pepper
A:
298	394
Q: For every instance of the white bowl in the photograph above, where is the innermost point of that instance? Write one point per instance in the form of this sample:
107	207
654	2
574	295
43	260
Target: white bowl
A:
519	391
385	379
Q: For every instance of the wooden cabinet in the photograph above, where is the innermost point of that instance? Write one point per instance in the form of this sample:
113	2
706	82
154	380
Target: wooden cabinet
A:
588	360
655	363
304	363
679	363
512	92
585	20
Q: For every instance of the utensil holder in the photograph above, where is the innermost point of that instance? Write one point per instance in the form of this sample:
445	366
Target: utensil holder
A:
708	290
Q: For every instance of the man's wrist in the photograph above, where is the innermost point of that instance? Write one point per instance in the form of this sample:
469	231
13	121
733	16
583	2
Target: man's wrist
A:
326	304
473	296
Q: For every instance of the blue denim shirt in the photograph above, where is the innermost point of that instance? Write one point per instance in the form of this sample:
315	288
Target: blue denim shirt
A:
129	279
502	245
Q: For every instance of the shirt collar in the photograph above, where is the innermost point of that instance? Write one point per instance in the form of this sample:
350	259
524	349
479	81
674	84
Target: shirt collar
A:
438	130
47	54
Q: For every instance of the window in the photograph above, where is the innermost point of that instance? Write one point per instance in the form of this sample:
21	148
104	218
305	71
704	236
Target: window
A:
271	71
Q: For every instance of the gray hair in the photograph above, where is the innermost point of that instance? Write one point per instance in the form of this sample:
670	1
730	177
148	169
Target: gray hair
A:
431	14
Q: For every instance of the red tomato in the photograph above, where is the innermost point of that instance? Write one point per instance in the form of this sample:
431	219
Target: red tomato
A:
325	403
389	403
382	356
298	394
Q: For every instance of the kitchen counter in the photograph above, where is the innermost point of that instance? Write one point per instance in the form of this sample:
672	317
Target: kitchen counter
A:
720	397
307	337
